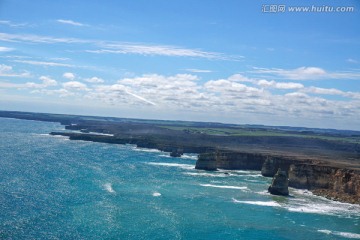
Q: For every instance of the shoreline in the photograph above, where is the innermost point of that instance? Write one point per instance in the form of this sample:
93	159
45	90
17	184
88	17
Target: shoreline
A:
328	168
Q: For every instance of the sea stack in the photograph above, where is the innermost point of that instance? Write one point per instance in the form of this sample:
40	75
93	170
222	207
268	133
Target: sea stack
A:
176	152
280	184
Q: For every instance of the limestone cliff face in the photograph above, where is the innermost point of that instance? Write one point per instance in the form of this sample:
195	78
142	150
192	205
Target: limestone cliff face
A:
206	161
230	160
331	182
273	163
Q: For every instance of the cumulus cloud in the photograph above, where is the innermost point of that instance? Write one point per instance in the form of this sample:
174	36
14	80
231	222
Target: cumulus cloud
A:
74	85
46	82
69	75
94	80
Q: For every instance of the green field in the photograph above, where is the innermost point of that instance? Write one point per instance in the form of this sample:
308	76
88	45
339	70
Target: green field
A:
246	132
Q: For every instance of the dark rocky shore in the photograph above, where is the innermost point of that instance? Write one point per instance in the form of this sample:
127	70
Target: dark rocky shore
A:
326	162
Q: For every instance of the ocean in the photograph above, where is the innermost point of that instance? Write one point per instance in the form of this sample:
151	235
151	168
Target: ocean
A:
54	188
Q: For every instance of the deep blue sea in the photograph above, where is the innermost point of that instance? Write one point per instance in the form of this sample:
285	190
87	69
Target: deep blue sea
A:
54	188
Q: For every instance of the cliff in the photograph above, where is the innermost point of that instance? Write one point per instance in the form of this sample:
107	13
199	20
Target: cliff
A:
333	182
230	160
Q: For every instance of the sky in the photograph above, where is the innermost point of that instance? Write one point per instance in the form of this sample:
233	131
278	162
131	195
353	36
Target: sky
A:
271	62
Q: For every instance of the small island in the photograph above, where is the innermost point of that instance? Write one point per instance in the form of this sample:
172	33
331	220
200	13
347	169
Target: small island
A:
324	161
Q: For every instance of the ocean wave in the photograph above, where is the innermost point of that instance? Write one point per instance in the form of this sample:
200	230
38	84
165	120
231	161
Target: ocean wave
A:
223	186
265	192
186	156
306	202
108	187
205	174
146	150
341	234
156	194
182	166
326	208
259	203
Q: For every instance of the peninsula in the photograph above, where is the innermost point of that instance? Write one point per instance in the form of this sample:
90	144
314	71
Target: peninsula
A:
324	161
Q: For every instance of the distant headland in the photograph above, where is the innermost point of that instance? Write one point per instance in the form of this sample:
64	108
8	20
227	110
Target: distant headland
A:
324	161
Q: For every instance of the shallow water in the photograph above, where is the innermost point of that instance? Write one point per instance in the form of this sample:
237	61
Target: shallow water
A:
54	188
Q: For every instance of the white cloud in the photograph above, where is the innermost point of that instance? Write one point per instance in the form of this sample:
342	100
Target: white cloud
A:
159	50
307	73
43	63
11	85
69	75
6	49
8	37
94	80
70	22
194	70
12	24
121	47
60	92
288	85
46	82
7	71
350	60
300	73
326	91
74	85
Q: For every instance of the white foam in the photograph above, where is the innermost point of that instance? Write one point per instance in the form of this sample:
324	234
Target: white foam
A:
342	234
259	203
108	187
265	192
156	194
101	134
317	205
223	186
146	150
186	156
254	175
205	174
182	166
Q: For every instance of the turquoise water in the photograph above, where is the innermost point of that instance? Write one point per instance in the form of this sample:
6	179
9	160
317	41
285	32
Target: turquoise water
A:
54	188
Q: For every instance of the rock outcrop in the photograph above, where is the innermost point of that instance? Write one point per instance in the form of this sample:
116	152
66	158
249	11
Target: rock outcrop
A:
280	184
177	152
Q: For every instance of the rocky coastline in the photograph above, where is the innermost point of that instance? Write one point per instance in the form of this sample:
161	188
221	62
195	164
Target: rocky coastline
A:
329	168
332	182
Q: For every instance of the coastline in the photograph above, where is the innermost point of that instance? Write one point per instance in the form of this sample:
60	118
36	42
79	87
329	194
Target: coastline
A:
331	178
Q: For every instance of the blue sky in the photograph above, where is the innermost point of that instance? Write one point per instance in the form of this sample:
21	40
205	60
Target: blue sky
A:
225	61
